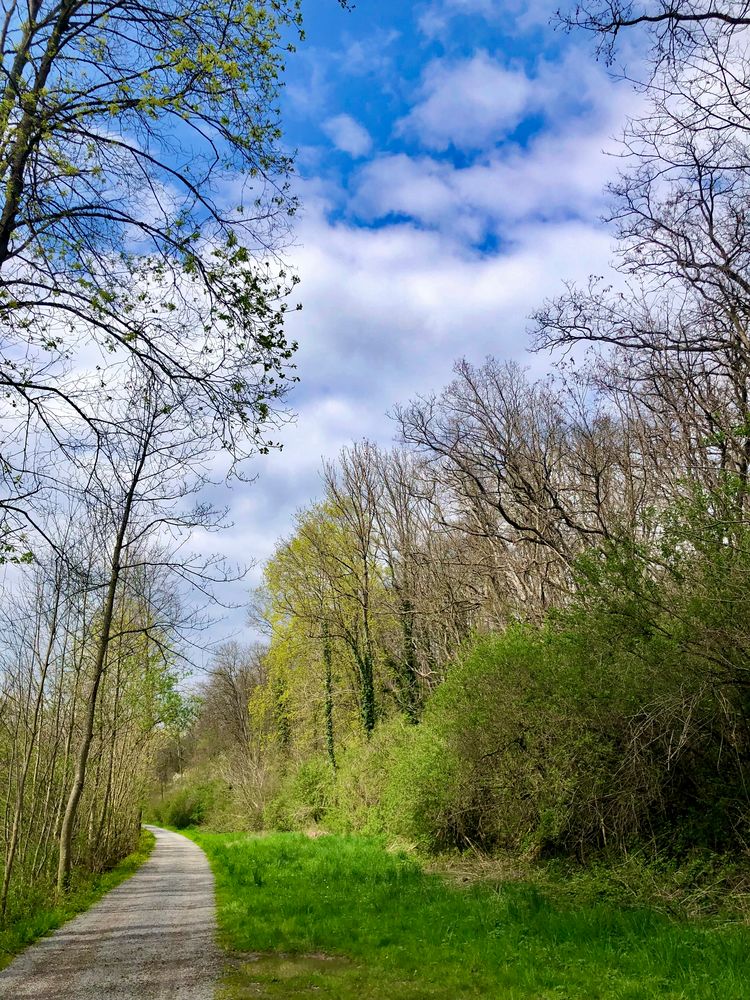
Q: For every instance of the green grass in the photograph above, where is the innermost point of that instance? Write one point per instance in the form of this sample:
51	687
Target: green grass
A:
46	915
342	918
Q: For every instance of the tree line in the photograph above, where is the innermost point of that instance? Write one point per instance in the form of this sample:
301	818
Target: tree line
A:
524	624
145	207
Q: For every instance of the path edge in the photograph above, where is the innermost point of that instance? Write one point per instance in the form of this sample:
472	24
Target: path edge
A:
60	914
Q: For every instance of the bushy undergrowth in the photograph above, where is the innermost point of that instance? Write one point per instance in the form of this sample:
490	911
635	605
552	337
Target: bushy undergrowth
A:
552	741
304	797
621	722
698	884
189	802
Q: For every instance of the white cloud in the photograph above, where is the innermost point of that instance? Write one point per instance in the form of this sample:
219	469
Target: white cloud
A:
435	19
468	103
557	178
387	310
560	173
517	16
309	91
484	7
348	135
476	103
371	56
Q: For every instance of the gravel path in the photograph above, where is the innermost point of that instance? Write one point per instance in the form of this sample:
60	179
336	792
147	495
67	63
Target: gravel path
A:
151	938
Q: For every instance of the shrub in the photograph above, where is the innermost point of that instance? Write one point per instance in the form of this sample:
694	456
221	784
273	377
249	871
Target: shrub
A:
620	720
475	768
188	804
550	740
303	797
367	792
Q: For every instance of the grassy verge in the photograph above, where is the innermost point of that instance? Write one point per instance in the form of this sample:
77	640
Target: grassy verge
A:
343	918
695	886
47	915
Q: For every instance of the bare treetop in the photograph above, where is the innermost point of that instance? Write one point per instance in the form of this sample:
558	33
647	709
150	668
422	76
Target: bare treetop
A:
674	23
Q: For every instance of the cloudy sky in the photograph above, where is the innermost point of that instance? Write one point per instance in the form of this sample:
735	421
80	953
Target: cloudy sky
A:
451	160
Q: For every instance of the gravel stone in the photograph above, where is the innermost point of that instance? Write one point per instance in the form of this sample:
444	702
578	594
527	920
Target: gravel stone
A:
151	938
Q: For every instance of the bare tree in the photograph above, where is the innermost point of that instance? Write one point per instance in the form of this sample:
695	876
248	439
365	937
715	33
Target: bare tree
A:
680	325
52	622
225	694
674	21
536	472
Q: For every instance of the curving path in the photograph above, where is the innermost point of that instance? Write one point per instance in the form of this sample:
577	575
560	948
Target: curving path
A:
151	938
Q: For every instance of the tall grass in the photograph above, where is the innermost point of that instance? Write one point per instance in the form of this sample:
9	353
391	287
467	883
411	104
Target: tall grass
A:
401	933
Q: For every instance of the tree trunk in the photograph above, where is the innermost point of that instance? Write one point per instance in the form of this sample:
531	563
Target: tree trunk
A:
71	809
328	662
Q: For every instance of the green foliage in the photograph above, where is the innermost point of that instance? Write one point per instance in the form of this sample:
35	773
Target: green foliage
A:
345	918
304	797
698	884
368	797
483	736
618	722
188	804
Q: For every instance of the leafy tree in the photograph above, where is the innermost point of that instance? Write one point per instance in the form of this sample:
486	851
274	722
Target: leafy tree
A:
310	596
145	191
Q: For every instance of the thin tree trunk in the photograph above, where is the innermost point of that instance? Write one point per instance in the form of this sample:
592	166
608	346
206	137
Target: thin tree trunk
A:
71	809
328	662
23	774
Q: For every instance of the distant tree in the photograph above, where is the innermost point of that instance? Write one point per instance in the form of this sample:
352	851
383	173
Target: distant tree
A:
224	718
314	588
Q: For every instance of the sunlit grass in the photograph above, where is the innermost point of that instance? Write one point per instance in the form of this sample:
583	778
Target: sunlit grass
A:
343	918
41	915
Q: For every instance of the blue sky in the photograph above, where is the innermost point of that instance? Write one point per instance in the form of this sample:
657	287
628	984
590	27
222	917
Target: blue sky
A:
451	164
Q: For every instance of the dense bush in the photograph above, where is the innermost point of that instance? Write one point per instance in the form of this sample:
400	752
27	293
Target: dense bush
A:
620	721
365	780
188	803
303	797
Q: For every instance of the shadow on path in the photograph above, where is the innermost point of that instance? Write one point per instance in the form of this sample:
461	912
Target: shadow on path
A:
151	938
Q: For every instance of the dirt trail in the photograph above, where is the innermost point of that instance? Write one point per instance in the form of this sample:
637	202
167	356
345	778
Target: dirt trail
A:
151	938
